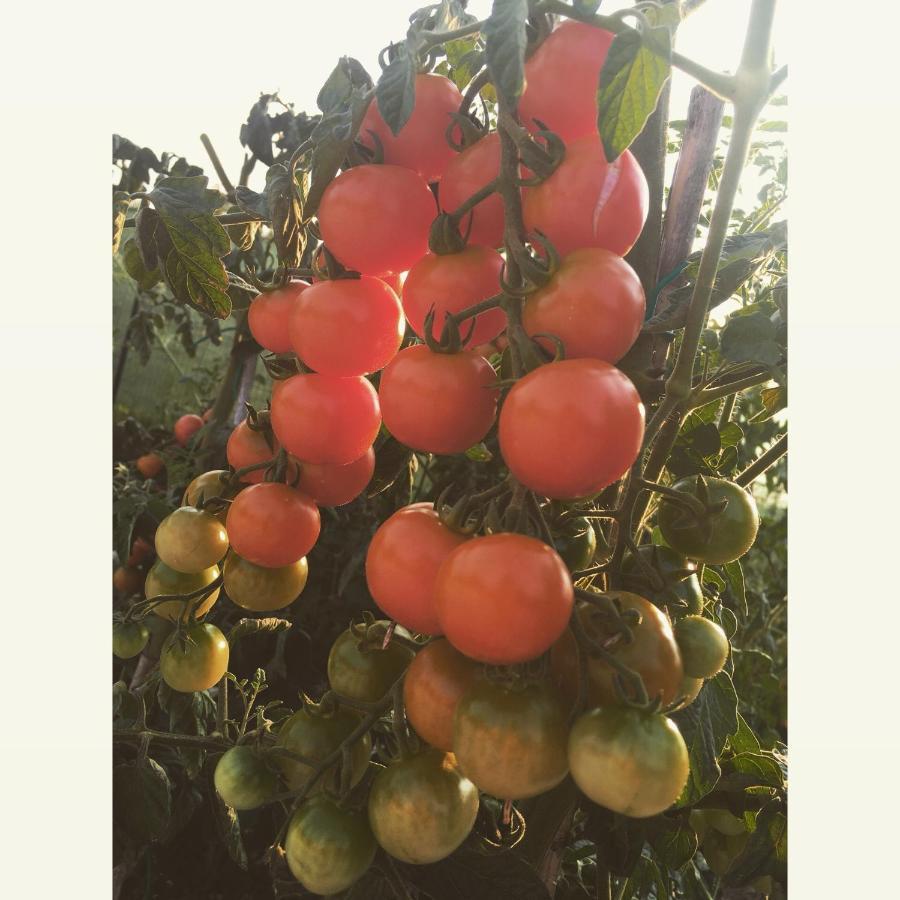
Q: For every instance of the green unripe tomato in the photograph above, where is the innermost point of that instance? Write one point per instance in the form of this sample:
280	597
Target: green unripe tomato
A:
129	638
576	544
243	779
366	673
731	532
703	646
328	848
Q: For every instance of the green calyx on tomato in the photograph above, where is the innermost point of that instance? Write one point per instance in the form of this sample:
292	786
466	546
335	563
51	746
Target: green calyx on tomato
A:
724	534
670	582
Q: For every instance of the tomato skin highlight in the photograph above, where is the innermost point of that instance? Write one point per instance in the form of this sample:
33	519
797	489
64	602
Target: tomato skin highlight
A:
163	580
467	174
653	654
197	664
420	145
186	427
272	525
511	743
315	735
588	202
570	428
269	314
365	674
504	598
438	402
328	848
350	326
325	420
733	531
261	588
434	684
451	282
421	807
594	303
376	219
243	780
402	563
630	762
561	79
337	485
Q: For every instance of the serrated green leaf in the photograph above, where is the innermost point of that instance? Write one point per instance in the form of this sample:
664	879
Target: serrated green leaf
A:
672	839
395	92
505	40
631	80
731	434
142	801
706	726
735	575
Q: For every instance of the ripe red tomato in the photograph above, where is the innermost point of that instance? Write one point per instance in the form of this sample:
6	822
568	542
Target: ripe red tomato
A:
588	202
467	174
322	419
435	681
570	428
268	316
350	326
450	282
366	673
186	427
127	580
438	402
420	144
403	561
376	219
272	524
247	447
561	79
149	465
511	741
504	598
594	304
337	485
141	550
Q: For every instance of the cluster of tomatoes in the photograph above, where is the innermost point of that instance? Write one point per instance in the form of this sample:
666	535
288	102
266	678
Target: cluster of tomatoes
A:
458	605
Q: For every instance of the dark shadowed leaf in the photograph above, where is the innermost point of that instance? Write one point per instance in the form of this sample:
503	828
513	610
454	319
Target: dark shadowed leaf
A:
505	41
751	339
706	725
470	876
348	74
142	800
631	80
228	826
766	850
256	133
134	265
672	839
735	575
618	839
774	400
396	89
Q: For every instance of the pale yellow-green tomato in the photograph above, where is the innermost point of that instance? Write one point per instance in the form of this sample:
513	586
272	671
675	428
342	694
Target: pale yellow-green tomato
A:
191	540
163	580
262	589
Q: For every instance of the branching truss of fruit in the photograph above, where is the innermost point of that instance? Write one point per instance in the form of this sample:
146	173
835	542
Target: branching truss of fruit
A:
497	649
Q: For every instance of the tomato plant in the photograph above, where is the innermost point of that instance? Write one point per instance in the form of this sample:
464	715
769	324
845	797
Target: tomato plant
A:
725	536
331	485
438	402
263	588
375	219
676	580
361	670
421	808
703	646
194	660
420	144
581	411
272	525
448	283
628	761
350	326
503	598
594	304
163	581
186	427
402	563
326	420
511	741
250	447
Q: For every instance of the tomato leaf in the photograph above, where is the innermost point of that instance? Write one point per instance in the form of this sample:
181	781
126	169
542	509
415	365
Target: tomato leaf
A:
227	825
706	726
618	838
672	839
505	40
142	800
735	575
347	76
766	850
646	880
773	400
128	708
396	89
271	624
467	875
751	339
631	80
256	132
134	265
